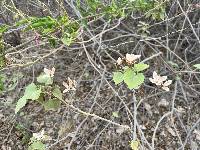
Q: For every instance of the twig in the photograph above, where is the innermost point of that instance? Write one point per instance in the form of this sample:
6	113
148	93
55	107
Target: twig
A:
98	117
156	128
151	57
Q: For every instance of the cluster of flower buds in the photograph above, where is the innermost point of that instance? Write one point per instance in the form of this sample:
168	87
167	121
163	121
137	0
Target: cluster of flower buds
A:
40	135
160	81
49	72
130	59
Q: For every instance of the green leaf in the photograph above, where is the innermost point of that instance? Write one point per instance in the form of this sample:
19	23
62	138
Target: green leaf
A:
66	40
52	104
37	145
44	22
197	66
52	42
140	67
1	86
24	21
3	28
128	74
44	78
32	92
132	79
1	83
20	104
57	92
134	145
117	77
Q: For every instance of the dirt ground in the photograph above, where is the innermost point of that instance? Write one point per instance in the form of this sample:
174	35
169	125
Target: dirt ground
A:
165	120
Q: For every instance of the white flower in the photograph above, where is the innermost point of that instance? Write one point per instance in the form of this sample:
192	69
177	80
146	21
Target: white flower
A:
165	88
166	84
66	87
40	135
158	80
119	61
130	58
161	81
70	85
49	72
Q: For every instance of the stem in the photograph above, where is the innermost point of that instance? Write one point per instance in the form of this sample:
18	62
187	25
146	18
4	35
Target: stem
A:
96	116
134	118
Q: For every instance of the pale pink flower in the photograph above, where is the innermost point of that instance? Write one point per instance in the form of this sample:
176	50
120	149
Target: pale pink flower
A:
37	38
119	61
158	80
131	58
49	72
161	81
71	85
166	84
66	87
165	88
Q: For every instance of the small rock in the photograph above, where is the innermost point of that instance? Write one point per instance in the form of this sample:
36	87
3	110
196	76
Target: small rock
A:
171	131
197	133
163	103
120	130
148	108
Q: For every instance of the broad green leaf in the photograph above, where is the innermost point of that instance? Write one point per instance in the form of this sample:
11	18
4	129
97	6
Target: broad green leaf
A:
134	145
32	92
57	92
136	81
140	67
128	74
133	80
44	78
52	104
118	77
197	66
20	103
37	145
45	31
128	77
